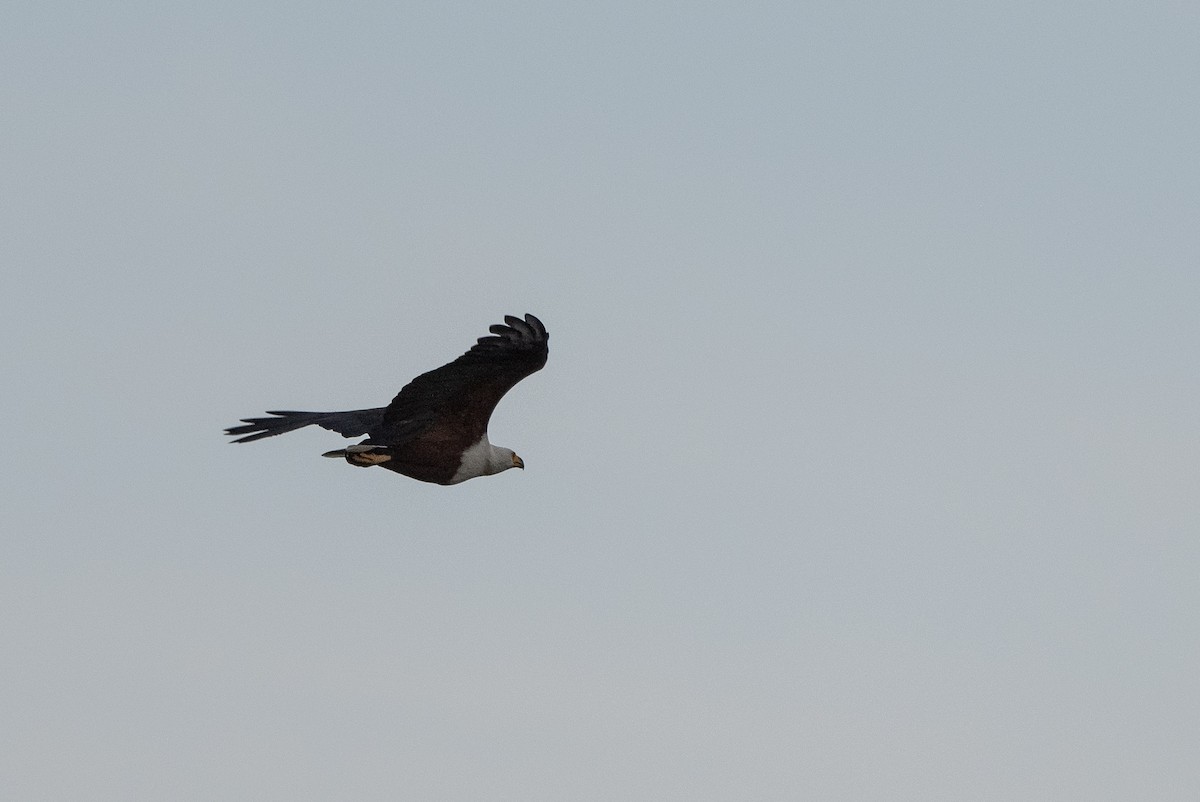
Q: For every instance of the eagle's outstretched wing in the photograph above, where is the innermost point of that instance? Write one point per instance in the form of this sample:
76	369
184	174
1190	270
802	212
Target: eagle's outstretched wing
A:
348	424
463	393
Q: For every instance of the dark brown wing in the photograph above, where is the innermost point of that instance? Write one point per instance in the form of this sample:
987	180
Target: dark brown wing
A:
348	424
463	393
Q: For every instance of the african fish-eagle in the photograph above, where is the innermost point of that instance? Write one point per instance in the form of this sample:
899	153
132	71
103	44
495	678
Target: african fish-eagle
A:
435	429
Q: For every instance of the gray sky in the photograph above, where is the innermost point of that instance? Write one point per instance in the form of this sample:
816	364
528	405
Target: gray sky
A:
864	466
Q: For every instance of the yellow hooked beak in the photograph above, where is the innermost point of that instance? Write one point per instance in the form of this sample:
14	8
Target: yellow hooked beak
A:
518	462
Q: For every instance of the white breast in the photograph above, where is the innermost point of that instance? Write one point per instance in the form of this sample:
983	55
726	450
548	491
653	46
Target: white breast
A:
480	459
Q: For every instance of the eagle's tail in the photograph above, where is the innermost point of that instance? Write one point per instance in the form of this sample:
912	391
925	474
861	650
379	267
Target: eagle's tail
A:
363	454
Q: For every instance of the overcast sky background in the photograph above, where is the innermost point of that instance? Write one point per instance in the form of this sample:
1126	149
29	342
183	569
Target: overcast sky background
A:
864	465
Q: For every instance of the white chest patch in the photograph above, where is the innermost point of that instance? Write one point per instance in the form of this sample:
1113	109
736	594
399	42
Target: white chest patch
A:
476	461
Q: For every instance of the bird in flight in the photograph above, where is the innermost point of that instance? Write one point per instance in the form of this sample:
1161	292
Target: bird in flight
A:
435	429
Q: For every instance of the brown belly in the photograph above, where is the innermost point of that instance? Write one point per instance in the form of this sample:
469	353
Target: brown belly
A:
424	462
